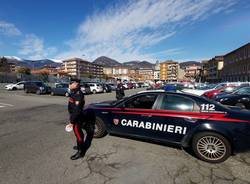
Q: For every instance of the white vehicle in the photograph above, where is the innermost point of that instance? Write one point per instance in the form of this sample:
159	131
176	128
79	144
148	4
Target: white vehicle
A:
17	86
145	85
125	86
95	88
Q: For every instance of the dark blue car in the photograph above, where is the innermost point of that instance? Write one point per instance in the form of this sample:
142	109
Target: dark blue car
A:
211	130
61	89
240	98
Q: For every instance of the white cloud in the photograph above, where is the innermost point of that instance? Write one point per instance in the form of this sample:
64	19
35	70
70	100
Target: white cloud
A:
32	47
9	29
126	31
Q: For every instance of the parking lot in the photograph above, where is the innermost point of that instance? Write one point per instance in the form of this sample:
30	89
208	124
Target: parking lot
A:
36	149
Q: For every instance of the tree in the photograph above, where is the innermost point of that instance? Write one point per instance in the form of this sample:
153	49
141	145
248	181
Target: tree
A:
23	70
4	65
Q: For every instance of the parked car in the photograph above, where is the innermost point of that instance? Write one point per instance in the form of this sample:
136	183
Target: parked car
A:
85	88
130	85
61	89
113	86
212	131
95	88
106	88
140	84
17	86
240	98
37	87
201	90
211	94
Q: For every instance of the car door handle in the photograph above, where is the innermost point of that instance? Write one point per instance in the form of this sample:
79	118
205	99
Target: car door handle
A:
146	115
192	120
104	112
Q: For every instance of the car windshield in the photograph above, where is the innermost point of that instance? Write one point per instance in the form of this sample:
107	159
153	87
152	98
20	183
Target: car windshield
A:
242	91
39	84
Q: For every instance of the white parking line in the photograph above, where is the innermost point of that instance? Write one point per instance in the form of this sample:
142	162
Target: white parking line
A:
5	104
1	106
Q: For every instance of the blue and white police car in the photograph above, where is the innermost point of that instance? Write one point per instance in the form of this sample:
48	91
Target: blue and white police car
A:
213	131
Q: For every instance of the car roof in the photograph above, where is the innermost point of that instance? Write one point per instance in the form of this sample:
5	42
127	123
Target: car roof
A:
172	93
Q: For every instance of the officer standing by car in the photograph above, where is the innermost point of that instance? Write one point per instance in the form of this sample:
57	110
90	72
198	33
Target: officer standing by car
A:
119	90
77	119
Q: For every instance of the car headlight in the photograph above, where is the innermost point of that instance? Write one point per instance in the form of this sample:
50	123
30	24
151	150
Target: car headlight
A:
223	99
41	88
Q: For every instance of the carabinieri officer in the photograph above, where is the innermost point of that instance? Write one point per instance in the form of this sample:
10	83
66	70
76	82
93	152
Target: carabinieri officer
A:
75	108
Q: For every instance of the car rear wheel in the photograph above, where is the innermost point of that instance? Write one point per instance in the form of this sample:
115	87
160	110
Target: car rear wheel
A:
100	128
104	91
67	94
38	92
52	93
94	91
241	105
211	147
14	88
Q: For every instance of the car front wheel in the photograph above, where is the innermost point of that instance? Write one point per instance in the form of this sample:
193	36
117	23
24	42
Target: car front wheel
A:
100	128
211	147
38	92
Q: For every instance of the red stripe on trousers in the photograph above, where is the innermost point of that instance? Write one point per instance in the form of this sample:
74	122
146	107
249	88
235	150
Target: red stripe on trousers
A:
79	138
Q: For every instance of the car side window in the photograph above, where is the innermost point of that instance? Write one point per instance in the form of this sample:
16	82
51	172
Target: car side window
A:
141	102
178	103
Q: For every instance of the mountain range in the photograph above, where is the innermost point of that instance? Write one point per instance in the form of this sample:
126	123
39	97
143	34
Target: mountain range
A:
108	62
34	64
103	60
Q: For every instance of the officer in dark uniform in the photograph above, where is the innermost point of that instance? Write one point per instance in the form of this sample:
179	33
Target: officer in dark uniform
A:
119	90
75	108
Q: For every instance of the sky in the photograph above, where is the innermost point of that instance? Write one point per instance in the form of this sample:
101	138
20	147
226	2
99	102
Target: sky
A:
124	30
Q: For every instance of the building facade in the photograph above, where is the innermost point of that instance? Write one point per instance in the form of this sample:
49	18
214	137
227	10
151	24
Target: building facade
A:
145	74
214	69
237	65
169	71
192	72
156	74
80	68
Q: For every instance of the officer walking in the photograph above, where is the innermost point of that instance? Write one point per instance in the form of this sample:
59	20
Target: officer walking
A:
119	90
75	108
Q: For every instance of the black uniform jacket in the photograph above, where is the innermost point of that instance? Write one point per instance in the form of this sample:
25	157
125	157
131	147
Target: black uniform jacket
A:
75	106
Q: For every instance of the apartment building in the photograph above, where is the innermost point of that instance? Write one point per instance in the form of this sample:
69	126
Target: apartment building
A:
145	74
214	69
169	71
237	65
80	68
192	72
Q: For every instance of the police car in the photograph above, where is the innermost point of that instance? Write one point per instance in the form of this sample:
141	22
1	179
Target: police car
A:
213	131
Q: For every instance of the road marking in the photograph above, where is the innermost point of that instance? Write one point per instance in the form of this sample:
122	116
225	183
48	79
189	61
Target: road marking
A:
1	106
5	104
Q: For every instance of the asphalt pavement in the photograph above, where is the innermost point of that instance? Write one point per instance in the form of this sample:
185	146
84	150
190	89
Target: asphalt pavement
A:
34	148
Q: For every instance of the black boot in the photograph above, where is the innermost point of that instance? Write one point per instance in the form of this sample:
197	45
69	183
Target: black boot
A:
79	154
75	147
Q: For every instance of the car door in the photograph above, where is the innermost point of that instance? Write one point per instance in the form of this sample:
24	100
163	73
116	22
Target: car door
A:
58	89
132	115
174	117
20	85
